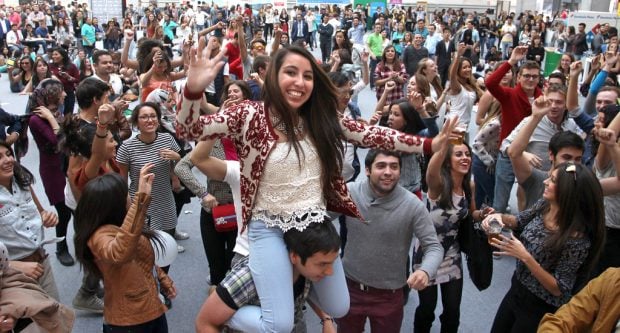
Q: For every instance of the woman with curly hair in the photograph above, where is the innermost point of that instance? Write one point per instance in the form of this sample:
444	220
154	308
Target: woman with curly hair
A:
44	103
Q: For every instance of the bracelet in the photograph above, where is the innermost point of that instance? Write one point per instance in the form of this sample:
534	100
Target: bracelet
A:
102	136
102	125
323	320
202	196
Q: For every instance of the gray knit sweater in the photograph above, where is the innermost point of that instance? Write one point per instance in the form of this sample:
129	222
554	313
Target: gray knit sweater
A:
377	249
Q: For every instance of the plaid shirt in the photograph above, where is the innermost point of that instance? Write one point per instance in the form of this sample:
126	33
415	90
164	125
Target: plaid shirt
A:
383	72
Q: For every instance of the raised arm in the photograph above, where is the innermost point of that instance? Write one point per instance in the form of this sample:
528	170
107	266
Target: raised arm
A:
516	150
608	138
434	180
121	247
483	107
385	138
455	85
603	158
105	116
129	63
202	70
243	50
572	93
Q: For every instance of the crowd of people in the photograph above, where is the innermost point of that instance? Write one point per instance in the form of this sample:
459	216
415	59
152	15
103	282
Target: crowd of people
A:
238	94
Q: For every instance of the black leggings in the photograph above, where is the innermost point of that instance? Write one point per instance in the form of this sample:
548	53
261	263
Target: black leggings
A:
268	30
451	293
64	216
218	247
520	311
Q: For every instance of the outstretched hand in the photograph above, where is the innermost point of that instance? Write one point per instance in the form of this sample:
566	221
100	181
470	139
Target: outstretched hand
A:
541	106
441	140
202	69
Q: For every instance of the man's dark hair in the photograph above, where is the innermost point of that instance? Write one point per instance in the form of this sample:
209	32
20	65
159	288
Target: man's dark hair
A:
558	75
565	139
373	153
98	54
338	78
317	237
89	89
260	61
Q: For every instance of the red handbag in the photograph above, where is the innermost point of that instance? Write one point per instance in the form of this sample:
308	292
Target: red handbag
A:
224	218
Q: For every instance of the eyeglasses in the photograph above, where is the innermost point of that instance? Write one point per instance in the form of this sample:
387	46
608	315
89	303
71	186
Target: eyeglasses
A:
530	76
259	47
572	168
25	63
148	117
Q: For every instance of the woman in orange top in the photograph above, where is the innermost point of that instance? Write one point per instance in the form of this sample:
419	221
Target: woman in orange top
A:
159	75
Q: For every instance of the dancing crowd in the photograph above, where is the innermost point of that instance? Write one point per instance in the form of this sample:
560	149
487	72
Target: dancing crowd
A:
291	217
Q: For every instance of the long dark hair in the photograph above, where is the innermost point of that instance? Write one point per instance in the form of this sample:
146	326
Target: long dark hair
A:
346	43
413	121
105	195
319	114
445	199
23	177
581	211
35	76
396	61
65	56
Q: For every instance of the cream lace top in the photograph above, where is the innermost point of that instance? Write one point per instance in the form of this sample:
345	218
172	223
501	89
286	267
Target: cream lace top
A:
290	194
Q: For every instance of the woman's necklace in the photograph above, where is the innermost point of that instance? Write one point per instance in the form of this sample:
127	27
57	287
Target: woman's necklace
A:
280	126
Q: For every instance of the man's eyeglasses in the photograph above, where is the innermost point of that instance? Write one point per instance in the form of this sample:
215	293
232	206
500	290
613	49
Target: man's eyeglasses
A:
530	76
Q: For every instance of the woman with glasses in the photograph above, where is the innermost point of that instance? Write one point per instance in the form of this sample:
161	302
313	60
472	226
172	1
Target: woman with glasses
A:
21	76
152	146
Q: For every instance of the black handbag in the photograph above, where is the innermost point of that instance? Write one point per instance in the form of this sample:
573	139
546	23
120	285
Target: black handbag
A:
478	252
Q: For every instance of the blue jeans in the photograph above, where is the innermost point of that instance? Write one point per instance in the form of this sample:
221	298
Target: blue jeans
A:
504	179
505	47
272	271
485	183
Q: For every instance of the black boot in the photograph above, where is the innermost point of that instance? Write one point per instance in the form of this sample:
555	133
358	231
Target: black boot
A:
63	255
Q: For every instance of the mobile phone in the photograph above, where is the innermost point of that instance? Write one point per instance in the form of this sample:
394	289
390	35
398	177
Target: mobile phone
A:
10	62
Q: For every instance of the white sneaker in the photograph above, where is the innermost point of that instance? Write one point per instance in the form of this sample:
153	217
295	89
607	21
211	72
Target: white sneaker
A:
180	249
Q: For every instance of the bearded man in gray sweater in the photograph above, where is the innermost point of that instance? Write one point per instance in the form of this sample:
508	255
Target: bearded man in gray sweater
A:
377	248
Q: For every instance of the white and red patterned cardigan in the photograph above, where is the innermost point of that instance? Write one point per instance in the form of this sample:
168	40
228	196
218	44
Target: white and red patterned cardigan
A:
248	126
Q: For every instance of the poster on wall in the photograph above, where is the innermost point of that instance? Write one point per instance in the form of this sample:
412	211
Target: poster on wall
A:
374	4
105	10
